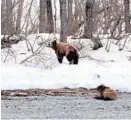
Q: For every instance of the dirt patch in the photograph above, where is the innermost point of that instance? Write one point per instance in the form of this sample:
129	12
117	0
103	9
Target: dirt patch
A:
53	92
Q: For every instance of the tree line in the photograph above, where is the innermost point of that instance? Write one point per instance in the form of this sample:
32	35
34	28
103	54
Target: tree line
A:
78	18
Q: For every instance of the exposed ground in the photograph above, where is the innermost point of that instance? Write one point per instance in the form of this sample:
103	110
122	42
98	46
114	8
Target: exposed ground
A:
38	92
62	103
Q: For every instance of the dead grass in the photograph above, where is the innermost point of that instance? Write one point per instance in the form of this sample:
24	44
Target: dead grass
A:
53	92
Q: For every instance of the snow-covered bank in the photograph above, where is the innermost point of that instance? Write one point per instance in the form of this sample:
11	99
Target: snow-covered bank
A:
87	74
110	68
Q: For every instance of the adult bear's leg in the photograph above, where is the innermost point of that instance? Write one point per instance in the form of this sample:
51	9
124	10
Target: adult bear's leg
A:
73	57
70	57
60	57
76	58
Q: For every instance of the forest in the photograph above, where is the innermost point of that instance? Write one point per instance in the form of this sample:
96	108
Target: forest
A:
80	19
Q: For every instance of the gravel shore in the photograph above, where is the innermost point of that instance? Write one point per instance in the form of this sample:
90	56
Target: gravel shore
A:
65	107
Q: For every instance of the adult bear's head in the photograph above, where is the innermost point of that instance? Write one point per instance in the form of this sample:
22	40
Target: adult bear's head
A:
53	45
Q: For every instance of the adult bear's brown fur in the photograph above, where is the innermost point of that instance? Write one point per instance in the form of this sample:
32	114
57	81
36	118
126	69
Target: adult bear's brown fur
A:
65	49
107	93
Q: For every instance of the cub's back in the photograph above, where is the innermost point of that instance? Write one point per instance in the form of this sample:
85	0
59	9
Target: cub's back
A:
109	94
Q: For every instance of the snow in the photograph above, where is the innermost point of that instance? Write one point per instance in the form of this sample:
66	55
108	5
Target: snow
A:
110	68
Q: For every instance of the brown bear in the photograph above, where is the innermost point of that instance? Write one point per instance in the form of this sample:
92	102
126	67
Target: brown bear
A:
106	93
65	49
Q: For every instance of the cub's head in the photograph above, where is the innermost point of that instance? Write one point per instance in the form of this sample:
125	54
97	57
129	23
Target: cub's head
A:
53	45
101	88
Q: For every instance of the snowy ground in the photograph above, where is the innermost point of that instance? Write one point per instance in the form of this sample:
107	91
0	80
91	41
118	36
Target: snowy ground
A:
43	71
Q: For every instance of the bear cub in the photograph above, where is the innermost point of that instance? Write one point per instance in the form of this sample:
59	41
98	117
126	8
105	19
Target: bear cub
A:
106	93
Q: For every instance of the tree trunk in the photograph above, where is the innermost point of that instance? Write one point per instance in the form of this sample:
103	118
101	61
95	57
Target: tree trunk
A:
88	28
50	25
3	17
64	21
19	16
42	16
55	7
89	24
9	18
70	17
127	16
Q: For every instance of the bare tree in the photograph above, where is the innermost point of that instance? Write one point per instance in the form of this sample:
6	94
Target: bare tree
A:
76	21
70	16
127	16
3	17
89	24
88	28
19	16
42	16
46	24
55	8
9	18
64	21
50	24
